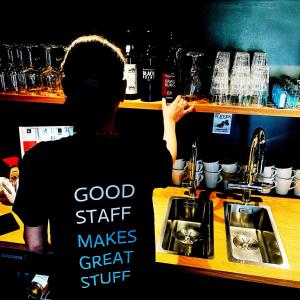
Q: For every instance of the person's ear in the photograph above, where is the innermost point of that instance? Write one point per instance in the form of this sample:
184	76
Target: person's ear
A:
65	85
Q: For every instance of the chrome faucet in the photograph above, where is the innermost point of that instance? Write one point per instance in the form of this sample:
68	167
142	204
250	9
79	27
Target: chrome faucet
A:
192	184
255	166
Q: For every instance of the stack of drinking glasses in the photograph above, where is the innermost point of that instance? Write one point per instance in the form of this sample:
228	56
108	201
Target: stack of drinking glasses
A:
259	84
239	88
219	82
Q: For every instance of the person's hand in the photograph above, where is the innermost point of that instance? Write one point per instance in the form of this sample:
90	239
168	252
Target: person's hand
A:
176	110
8	190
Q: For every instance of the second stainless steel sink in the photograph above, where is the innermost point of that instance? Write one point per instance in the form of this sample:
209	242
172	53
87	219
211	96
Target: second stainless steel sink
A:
188	228
252	236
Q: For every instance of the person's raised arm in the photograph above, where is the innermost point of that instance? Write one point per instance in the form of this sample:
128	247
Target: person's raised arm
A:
36	238
172	113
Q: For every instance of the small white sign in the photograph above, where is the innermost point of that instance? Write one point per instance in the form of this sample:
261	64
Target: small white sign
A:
222	123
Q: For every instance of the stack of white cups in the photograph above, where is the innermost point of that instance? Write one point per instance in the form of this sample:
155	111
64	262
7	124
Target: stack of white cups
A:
297	183
179	171
285	180
229	171
212	172
268	175
199	171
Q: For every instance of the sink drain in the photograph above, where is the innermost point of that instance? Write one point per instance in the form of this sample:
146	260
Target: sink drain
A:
243	241
187	236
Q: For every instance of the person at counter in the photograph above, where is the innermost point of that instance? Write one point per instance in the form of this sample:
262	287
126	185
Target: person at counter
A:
92	187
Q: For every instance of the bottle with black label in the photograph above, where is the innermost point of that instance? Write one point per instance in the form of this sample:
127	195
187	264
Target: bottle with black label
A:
130	68
150	88
168	75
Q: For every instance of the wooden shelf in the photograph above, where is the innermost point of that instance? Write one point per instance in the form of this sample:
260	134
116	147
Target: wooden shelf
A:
204	106
200	106
32	98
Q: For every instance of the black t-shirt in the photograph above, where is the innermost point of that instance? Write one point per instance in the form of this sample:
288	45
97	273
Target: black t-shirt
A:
97	194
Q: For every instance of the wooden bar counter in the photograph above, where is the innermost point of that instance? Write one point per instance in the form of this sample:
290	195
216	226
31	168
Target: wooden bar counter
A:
286	213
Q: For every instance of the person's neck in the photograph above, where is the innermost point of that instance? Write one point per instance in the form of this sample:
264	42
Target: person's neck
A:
107	129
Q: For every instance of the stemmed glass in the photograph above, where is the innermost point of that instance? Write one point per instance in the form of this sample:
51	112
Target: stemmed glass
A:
32	77
49	76
60	53
193	83
2	76
10	73
21	77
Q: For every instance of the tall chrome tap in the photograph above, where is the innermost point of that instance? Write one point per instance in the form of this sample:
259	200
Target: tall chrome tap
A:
255	166
192	176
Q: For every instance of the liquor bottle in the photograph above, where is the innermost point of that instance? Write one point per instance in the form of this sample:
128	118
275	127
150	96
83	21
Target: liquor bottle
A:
130	68
169	80
150	88
38	286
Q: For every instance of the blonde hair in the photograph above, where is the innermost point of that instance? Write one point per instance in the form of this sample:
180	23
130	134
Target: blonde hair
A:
93	70
94	39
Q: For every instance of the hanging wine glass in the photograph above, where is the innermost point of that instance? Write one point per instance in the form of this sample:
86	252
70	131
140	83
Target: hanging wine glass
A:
49	76
193	84
10	73
2	76
60	51
32	76
21	78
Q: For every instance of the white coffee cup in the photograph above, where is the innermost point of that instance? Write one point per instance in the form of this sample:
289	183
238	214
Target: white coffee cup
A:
212	178
199	178
285	172
199	165
179	164
231	168
266	179
178	176
297	173
274	185
284	185
269	171
212	166
226	178
297	186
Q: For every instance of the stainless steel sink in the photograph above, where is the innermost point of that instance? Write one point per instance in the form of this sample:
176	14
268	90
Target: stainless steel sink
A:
188	228
252	236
